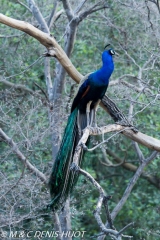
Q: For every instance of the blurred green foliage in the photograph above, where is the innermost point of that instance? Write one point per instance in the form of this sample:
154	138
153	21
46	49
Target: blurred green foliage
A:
25	118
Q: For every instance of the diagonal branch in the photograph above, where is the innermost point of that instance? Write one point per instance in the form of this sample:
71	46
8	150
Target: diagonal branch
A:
54	16
91	10
129	188
55	50
21	157
108	230
50	21
68	9
131	185
18	86
131	167
24	5
47	40
38	15
79	7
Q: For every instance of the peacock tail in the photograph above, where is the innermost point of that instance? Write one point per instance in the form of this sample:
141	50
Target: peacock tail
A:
62	179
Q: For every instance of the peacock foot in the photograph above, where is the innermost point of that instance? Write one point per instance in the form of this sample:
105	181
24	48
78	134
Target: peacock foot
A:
84	146
74	167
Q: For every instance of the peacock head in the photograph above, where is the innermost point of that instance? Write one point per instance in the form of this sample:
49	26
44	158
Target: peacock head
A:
107	55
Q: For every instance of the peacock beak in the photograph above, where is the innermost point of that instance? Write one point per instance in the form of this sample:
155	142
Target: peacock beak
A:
116	54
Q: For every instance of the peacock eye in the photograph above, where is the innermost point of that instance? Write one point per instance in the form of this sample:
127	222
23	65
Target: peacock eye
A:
112	52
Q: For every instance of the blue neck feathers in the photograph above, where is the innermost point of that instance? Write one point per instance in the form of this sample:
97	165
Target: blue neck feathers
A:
104	73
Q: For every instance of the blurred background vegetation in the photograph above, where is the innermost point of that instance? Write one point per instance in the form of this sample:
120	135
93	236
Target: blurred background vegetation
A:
132	29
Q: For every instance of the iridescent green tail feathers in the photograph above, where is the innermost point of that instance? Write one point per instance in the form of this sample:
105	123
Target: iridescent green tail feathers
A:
62	178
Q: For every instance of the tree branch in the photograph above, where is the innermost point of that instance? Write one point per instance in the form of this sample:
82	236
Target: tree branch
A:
102	196
50	21
131	167
131	185
47	40
21	157
68	9
94	8
24	5
129	188
56	50
17	86
38	15
54	16
57	225
79	7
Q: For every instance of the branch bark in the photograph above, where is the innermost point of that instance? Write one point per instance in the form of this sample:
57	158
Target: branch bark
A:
47	40
17	86
131	167
21	157
38	15
108	229
131	185
98	6
129	188
52	16
56	50
68	9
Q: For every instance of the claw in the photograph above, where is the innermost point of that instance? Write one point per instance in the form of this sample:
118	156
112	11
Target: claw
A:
74	167
84	146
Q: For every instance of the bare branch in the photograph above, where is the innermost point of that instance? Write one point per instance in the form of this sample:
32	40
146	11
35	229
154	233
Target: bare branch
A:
38	15
57	225
21	157
129	85
24	69
91	10
139	152
79	7
46	40
112	165
24	5
17	86
156	3
55	17
130	167
151	157
11	36
131	58
57	51
68	9
44	93
50	20
48	79
107	162
128	225
99	203
94	131
102	196
131	185
143	139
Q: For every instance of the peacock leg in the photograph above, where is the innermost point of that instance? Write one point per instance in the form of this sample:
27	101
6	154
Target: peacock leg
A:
91	116
87	112
95	112
78	124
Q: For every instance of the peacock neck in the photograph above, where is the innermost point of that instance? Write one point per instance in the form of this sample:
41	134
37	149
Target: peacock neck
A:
105	71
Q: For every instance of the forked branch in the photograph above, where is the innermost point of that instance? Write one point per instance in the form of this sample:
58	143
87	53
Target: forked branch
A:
21	157
55	50
103	199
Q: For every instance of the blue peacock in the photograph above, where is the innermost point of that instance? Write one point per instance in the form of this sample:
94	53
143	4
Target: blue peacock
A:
83	114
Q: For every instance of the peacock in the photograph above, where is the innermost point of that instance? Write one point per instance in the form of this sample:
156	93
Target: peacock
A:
83	114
